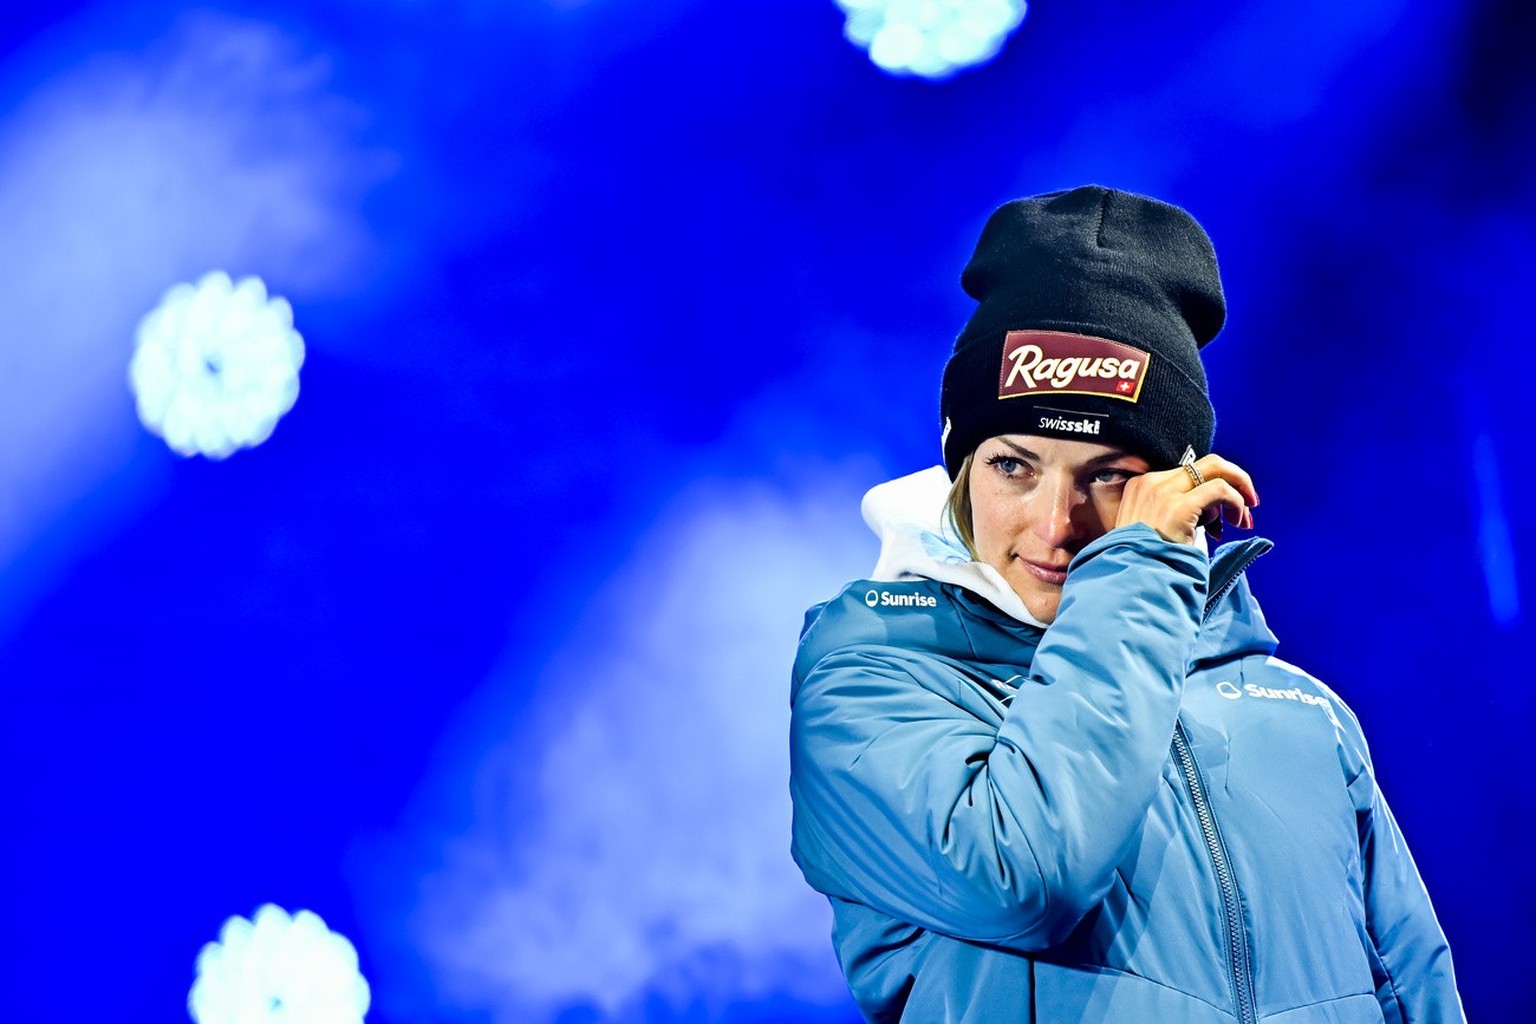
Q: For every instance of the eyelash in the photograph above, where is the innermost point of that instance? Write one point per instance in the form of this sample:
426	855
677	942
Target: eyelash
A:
1123	474
998	460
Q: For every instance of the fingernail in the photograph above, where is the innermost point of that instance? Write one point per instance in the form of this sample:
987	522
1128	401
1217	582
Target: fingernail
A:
1248	515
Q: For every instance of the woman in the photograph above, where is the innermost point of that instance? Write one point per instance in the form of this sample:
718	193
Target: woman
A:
1045	764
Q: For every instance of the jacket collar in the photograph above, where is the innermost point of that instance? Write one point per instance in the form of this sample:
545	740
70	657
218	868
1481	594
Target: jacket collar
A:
1233	623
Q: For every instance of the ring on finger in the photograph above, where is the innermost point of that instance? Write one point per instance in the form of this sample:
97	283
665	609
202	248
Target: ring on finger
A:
1194	474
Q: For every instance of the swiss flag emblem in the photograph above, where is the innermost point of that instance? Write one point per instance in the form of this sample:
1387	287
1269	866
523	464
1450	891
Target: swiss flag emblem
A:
1125	387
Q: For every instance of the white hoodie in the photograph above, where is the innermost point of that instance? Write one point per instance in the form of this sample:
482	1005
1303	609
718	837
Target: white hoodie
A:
917	541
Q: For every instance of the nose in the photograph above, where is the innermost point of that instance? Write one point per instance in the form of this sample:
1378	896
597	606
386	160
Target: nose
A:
1059	522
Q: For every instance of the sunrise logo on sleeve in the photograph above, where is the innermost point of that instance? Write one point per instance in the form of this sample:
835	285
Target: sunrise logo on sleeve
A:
1055	362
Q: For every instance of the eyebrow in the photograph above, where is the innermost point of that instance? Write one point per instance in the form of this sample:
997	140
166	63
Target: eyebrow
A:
1096	460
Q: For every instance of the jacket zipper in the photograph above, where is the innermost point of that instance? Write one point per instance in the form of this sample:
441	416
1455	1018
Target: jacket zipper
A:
1227	584
1232	910
1237	945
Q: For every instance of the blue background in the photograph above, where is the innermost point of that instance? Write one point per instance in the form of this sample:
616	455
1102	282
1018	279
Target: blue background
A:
612	311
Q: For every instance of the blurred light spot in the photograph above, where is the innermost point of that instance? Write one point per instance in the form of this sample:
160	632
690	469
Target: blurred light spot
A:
278	968
931	38
1493	539
125	167
216	365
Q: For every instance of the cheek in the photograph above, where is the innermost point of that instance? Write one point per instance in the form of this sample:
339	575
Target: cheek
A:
1101	511
994	518
1107	505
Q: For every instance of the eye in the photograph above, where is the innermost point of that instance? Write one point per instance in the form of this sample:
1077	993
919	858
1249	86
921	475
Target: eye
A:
1008	465
1113	477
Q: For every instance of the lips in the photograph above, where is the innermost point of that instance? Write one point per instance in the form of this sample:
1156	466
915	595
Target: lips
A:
1046	572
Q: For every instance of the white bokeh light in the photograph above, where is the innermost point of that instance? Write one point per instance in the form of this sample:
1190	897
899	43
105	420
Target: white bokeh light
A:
931	38
216	365
278	968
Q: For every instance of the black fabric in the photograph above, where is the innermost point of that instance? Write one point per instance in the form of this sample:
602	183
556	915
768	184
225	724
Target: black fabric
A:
1103	263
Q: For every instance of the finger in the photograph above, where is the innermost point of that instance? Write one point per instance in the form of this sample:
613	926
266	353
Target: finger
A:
1222	498
1213	466
1210	521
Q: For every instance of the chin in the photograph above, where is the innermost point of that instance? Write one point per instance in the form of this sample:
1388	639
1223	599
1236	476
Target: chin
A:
1042	605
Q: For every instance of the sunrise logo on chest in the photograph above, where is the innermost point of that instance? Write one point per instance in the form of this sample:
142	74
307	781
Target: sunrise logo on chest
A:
1055	362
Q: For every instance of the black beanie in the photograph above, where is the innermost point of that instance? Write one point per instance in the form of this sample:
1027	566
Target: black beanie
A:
1093	305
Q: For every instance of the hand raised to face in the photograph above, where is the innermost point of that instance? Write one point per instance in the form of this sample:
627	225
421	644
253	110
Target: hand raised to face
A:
1176	502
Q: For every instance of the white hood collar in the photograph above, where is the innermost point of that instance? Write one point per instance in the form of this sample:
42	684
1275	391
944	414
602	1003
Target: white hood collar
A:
917	541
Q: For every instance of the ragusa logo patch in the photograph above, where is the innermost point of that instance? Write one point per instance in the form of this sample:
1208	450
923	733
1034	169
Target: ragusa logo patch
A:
1046	362
886	599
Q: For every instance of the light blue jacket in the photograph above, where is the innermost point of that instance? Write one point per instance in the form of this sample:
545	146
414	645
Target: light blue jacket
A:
1137	815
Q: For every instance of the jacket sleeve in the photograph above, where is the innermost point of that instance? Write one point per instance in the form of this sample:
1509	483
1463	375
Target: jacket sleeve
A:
906	802
1411	961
